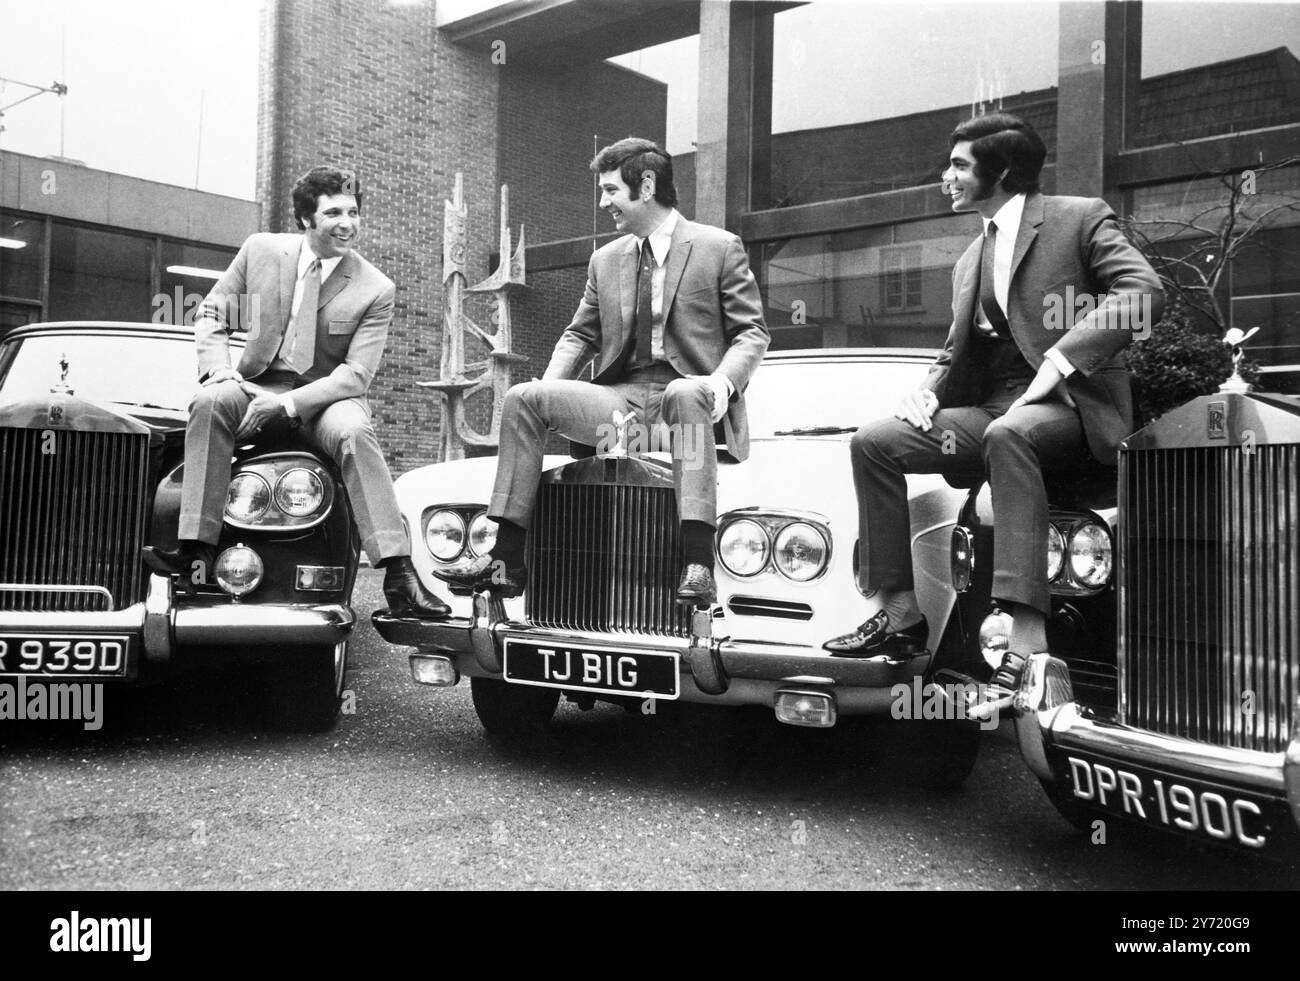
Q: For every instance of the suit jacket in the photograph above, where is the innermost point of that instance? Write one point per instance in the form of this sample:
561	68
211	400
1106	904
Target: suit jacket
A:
353	313
1076	282
712	312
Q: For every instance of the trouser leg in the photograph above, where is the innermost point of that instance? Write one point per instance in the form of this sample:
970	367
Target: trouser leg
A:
344	431
1016	448
579	410
215	414
686	408
882	452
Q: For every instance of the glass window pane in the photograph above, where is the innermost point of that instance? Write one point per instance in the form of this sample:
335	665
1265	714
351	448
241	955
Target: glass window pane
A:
188	274
22	244
1260	287
97	275
1211	68
874	287
864	97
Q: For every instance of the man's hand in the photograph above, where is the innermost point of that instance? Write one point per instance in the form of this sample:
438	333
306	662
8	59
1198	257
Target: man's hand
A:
222	374
1043	385
265	407
917	408
720	386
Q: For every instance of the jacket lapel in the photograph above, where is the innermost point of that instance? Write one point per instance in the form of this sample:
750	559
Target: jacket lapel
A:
678	253
627	287
1030	219
288	279
339	278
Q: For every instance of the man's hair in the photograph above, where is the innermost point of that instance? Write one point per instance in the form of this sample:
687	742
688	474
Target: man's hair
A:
322	180
632	157
1000	141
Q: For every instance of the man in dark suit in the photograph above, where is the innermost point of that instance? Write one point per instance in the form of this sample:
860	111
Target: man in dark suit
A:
673	318
1017	387
317	316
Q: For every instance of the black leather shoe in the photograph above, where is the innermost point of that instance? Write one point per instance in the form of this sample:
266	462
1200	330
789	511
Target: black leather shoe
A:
407	596
696	587
874	638
180	561
485	572
1007	676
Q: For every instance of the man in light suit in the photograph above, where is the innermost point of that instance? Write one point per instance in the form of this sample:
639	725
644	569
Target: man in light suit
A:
1016	387
317	316
673	318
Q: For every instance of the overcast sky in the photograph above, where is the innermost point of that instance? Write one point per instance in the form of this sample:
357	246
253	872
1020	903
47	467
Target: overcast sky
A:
138	70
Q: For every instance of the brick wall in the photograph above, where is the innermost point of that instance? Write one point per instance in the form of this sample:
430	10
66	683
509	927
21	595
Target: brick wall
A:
373	86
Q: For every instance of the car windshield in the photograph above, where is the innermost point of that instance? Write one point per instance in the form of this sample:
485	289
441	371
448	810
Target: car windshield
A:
835	395
130	369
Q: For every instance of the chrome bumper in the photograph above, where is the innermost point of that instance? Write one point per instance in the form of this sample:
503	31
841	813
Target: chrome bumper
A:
712	663
162	627
1047	719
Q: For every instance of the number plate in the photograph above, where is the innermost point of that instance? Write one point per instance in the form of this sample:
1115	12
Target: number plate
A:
611	670
64	655
1190	806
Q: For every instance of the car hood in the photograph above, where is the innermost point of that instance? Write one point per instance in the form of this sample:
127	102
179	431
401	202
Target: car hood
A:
806	473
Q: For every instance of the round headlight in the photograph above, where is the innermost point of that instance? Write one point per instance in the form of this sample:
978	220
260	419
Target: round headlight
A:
743	548
1055	552
239	570
445	535
1091	557
247	497
995	637
800	551
482	534
299	493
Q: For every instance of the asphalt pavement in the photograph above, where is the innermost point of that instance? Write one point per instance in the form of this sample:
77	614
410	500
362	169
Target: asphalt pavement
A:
186	788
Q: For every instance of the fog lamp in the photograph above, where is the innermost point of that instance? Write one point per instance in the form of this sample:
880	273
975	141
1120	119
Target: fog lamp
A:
805	708
319	578
995	637
433	669
239	570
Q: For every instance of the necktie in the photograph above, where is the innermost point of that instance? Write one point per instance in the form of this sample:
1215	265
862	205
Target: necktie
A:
644	327
988	298
298	350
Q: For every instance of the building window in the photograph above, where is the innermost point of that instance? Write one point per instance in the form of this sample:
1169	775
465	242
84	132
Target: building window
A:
22	264
188	273
99	275
900	279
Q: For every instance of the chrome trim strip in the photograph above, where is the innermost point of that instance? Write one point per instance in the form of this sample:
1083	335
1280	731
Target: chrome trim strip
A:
230	623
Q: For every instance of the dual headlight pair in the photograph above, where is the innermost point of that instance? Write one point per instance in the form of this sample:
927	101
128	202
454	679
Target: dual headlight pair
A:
450	532
1080	555
797	548
279	492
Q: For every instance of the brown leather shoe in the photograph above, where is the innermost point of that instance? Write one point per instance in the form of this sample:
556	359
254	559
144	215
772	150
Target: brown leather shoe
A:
407	596
485	572
696	587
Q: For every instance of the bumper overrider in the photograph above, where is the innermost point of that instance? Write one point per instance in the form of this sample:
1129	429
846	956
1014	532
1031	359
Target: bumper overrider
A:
155	630
1217	794
804	685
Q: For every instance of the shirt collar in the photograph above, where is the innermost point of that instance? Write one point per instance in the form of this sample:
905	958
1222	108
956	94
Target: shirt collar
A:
1008	216
661	238
327	266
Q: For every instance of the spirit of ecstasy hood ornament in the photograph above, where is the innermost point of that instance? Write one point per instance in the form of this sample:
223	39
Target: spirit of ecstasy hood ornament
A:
61	388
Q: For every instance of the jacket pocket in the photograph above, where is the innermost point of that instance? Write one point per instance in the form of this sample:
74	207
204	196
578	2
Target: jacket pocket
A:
342	326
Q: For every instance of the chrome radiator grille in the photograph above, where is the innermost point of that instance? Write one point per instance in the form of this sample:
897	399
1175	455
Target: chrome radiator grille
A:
605	558
72	513
1210	593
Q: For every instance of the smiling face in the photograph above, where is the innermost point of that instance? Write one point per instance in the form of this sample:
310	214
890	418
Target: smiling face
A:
969	190
333	229
634	212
